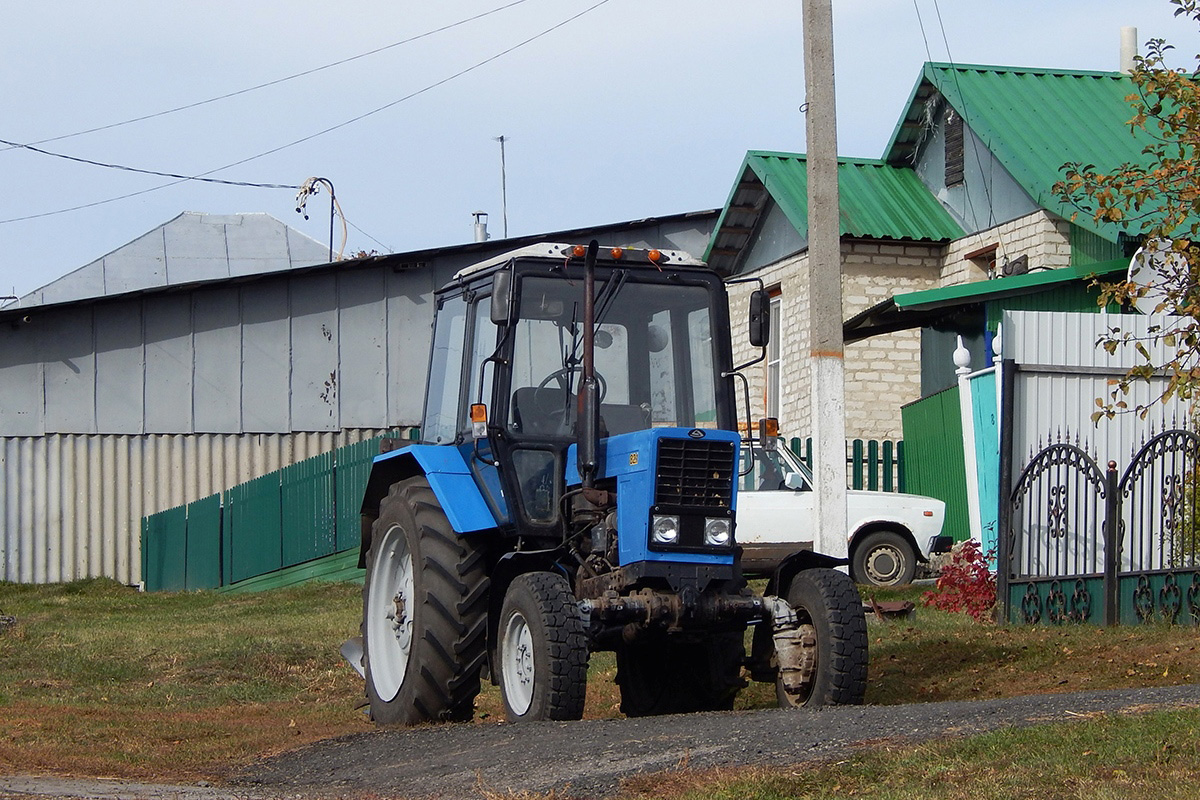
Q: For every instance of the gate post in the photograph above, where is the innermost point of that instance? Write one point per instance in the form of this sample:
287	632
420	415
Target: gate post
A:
1008	382
1112	538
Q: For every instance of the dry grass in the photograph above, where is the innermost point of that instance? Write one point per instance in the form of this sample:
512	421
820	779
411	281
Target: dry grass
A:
97	679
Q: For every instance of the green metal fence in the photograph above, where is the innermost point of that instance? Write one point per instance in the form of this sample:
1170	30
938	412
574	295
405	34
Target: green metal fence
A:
286	519
934	458
874	464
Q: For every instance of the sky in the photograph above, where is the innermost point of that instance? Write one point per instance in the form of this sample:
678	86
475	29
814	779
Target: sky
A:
636	108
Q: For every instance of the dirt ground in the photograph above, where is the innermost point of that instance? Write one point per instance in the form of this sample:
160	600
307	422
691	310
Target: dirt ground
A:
589	759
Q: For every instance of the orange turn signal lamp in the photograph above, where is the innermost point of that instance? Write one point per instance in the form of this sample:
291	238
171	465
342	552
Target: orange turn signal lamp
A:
479	420
656	257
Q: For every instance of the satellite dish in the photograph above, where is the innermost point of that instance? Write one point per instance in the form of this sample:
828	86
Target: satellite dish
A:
1149	267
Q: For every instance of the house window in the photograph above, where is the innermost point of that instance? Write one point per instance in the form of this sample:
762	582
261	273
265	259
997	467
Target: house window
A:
954	148
774	361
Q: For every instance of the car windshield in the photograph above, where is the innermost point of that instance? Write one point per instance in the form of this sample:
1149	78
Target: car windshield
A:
771	468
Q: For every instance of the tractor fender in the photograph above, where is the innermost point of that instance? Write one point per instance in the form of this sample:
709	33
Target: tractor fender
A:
781	580
449	476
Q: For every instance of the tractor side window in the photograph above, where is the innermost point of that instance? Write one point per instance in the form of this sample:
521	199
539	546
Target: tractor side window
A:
482	347
662	371
704	389
445	375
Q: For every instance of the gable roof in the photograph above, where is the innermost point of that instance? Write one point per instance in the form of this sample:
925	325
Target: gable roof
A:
877	201
193	247
1032	120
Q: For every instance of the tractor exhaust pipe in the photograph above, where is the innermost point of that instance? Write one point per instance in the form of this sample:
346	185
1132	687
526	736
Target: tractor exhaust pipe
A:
589	397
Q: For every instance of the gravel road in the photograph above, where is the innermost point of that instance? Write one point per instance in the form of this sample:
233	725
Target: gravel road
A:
590	758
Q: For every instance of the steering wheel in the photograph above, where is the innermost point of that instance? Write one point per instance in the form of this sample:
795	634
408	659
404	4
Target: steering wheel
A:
543	400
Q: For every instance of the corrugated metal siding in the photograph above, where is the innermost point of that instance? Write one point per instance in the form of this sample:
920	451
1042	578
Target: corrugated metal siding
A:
1058	404
933	456
71	506
317	352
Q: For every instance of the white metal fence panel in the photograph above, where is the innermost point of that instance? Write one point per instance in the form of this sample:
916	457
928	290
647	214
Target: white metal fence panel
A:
71	505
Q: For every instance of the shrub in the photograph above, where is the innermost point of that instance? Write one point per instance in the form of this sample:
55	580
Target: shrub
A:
966	584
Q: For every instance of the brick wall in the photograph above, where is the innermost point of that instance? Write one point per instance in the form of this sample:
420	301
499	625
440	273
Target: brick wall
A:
1043	237
882	373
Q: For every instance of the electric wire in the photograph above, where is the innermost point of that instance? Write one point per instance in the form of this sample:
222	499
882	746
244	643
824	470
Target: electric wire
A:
141	171
332	128
267	84
987	189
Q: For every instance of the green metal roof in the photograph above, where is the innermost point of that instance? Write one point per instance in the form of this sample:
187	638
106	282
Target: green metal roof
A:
1033	121
918	309
1004	287
877	201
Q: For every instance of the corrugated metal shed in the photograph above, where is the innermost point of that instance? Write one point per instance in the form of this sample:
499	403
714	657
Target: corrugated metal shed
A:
191	248
877	201
1032	120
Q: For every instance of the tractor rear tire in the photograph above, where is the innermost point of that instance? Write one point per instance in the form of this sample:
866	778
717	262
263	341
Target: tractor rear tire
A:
662	676
542	650
828	601
425	601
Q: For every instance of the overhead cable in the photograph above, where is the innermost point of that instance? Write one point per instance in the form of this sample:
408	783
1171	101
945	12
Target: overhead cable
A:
430	87
275	82
141	171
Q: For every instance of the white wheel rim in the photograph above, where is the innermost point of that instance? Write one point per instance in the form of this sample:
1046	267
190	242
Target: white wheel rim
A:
879	557
390	614
516	668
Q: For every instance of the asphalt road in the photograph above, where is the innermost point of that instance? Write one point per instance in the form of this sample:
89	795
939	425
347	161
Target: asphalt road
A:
590	758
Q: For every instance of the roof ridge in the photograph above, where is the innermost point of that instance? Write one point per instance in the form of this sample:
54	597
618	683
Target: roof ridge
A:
1083	73
856	160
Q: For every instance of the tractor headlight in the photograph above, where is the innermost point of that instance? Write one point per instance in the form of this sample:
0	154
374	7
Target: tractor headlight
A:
664	529
717	531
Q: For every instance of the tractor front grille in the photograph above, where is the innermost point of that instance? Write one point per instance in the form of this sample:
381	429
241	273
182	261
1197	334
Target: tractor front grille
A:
694	472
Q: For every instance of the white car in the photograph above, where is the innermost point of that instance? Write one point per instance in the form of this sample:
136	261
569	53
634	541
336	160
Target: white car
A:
888	532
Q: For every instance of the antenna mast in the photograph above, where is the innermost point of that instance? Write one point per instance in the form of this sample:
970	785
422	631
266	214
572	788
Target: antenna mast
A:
503	186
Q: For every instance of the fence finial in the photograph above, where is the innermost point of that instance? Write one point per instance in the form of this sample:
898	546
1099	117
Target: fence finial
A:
962	358
998	345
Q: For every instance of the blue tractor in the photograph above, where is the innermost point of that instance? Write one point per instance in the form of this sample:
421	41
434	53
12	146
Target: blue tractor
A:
575	491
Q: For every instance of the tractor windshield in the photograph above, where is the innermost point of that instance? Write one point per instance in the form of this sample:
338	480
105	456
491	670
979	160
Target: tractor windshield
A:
654	356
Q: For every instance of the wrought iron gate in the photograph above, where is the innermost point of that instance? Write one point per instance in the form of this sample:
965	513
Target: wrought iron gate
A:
1082	545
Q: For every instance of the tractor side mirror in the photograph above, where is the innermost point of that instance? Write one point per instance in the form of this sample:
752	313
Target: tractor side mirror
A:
502	298
760	318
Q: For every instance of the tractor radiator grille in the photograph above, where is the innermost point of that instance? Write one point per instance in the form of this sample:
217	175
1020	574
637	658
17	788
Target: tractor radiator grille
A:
694	472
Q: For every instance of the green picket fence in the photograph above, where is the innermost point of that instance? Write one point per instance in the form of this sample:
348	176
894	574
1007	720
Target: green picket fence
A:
873	464
286	519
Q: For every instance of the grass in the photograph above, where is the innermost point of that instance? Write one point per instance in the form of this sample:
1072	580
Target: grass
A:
1153	755
97	679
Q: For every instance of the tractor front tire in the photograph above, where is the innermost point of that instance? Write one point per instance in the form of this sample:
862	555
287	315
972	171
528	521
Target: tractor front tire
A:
424	612
542	650
827	602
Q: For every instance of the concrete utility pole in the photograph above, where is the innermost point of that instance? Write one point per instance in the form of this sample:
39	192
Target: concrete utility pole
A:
826	345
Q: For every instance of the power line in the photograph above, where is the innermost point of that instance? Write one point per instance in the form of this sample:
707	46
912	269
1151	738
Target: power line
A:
141	171
417	93
987	189
310	137
275	82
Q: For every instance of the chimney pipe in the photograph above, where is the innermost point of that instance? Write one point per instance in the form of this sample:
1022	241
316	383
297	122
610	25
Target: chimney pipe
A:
481	233
1129	49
